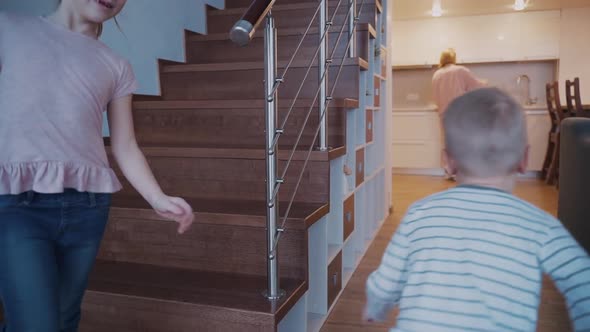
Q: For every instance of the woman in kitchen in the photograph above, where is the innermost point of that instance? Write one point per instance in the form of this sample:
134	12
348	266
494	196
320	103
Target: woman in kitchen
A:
449	82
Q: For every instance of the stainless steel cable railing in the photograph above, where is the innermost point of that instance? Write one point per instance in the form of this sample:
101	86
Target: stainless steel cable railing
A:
322	116
241	33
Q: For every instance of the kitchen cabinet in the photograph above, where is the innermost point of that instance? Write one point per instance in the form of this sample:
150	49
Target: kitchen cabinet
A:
417	138
488	38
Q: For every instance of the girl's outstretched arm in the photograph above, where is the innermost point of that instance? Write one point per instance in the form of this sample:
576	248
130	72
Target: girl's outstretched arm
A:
136	169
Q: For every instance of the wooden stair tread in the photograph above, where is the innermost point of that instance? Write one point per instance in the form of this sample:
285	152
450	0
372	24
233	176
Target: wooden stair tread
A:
233	151
291	6
371	29
141	102
222	290
195	37
256	65
228	211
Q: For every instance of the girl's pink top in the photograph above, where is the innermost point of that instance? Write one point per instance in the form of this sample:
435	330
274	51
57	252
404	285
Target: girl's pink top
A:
55	85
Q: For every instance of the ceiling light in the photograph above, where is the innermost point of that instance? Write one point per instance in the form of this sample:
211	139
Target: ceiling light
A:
520	4
437	8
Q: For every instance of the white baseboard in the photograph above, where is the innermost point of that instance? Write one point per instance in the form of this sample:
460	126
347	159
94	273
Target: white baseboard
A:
530	175
419	171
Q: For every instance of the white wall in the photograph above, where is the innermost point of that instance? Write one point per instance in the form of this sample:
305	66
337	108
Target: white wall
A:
389	105
575	50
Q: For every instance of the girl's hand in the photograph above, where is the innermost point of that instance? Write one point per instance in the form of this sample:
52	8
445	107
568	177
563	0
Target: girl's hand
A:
371	317
176	209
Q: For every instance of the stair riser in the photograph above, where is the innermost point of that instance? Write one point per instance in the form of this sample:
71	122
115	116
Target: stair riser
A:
205	247
291	18
219	178
230	127
226	51
248	84
103	312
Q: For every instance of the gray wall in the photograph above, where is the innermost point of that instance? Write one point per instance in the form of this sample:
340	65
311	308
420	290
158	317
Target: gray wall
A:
153	29
32	7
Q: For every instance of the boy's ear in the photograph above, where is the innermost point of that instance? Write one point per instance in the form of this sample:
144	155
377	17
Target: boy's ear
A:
448	163
524	162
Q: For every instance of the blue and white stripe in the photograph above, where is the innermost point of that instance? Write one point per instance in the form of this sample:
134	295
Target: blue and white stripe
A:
472	259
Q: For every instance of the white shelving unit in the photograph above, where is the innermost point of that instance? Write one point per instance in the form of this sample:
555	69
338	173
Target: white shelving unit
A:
338	241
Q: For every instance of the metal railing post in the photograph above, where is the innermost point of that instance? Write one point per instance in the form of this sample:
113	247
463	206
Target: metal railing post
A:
351	27
270	75
323	76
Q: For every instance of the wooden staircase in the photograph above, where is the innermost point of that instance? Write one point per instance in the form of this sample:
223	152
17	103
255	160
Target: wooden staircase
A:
204	139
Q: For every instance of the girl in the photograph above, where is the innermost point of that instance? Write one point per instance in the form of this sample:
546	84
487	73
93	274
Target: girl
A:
56	79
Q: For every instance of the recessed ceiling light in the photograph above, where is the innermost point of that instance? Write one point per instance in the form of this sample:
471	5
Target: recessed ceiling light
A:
520	4
437	8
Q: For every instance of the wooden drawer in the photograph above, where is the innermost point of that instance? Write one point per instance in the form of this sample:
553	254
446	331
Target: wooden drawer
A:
348	217
377	92
334	278
369	126
360	166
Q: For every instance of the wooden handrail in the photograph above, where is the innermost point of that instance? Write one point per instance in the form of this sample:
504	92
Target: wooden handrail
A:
241	33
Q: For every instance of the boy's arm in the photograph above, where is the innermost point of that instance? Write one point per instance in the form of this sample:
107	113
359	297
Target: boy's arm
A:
568	265
384	286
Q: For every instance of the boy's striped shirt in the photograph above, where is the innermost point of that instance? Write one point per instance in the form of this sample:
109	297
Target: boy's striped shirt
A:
472	259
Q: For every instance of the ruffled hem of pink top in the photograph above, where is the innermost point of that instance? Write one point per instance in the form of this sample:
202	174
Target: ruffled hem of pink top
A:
54	176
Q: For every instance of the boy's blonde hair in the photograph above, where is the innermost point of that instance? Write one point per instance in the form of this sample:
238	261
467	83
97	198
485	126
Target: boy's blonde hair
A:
485	133
447	57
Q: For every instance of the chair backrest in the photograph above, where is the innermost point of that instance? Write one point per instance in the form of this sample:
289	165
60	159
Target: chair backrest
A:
573	98
554	104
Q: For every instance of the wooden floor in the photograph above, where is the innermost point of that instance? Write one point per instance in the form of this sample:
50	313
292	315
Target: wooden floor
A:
346	316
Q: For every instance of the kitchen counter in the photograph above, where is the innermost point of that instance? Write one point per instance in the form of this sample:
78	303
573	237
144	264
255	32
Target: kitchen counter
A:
417	137
421	108
529	109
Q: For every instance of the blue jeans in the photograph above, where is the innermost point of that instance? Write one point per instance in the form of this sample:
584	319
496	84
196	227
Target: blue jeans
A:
48	245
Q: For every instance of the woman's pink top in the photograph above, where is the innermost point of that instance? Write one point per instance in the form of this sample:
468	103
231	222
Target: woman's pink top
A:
450	82
55	85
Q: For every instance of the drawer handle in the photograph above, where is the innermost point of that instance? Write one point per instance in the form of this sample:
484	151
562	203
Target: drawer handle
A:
376	92
360	167
335	279
370	125
348	216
